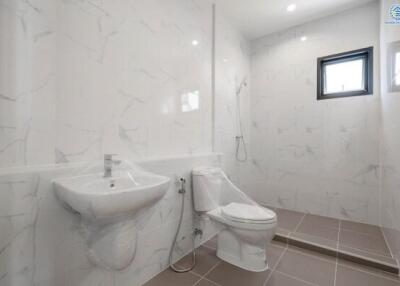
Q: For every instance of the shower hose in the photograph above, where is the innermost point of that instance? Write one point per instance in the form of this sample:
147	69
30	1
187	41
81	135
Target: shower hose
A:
182	191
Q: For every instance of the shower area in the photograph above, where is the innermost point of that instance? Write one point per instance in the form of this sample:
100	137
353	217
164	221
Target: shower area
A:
328	168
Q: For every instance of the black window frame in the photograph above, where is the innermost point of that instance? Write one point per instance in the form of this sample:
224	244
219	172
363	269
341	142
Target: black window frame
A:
365	53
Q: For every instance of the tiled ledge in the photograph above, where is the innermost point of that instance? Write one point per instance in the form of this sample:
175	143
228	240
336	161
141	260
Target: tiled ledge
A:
356	242
381	263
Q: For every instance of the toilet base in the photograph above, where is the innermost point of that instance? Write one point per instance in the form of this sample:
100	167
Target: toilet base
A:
237	262
241	253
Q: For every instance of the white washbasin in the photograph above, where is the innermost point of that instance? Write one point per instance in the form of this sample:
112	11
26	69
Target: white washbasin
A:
125	193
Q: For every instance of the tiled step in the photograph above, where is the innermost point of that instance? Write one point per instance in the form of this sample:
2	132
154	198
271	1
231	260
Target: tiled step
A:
379	262
357	242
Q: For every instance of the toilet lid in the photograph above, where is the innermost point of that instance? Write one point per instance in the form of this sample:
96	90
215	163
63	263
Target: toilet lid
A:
245	212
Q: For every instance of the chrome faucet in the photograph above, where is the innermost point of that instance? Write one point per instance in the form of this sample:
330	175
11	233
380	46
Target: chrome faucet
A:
108	164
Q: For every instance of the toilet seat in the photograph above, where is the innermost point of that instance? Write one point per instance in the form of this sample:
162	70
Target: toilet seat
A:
242	224
246	213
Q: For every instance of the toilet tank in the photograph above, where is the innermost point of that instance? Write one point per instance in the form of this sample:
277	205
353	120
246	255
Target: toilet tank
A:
207	184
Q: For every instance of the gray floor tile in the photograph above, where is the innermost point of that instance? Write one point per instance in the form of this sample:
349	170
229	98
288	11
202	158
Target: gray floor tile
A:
371	270
312	253
360	227
205	259
226	274
313	240
298	265
318	230
273	252
288	219
357	252
295	266
348	276
171	278
212	243
324	221
204	282
364	241
281	279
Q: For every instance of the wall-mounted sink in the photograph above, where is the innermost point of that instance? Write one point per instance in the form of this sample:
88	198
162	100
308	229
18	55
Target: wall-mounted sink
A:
123	194
109	208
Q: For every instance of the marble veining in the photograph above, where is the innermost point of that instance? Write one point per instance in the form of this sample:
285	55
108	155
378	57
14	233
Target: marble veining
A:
314	156
110	75
42	243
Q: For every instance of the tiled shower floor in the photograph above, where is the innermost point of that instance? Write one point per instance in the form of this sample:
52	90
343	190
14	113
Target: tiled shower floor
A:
290	265
358	239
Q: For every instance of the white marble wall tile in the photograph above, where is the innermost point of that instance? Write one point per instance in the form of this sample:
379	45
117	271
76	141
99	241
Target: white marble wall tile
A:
232	65
315	156
81	78
27	81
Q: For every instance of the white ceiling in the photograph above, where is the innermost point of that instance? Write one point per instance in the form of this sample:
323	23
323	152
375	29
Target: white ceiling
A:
256	18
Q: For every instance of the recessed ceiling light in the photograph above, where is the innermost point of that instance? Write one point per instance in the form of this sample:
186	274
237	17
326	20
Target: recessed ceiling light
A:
291	8
303	39
195	42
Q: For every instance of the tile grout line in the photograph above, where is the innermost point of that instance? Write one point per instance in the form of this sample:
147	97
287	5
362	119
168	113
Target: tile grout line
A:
276	264
360	232
370	252
340	227
209	280
296	278
337	253
212	268
297	226
309	254
357	269
373	273
388	246
382	275
370	234
204	275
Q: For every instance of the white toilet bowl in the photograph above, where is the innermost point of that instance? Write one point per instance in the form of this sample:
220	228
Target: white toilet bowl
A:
246	227
242	243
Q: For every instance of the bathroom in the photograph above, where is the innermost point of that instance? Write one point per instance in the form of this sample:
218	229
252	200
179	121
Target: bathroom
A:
199	142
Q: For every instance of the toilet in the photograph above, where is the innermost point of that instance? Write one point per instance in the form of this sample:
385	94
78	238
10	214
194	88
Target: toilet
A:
246	227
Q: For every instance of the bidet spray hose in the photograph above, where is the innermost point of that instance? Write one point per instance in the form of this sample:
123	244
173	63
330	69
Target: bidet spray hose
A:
182	191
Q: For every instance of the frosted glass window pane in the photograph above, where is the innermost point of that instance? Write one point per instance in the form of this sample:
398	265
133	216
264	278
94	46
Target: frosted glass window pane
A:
397	69
345	76
190	101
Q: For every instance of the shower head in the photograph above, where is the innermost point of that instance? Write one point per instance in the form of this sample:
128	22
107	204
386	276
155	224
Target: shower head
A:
242	84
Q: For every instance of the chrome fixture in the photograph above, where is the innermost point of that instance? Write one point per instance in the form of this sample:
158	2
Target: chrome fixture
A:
108	164
195	233
242	84
240	138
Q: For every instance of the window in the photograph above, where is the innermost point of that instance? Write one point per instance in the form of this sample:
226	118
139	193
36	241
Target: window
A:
190	101
394	67
345	74
397	70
